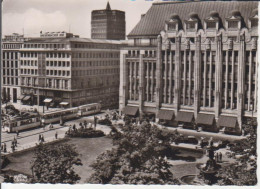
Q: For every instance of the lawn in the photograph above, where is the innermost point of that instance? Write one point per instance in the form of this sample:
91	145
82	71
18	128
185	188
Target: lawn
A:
88	148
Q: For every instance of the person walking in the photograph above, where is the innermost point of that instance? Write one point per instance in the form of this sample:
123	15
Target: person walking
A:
15	142
85	124
216	157
40	137
56	135
17	133
220	157
74	127
95	122
5	148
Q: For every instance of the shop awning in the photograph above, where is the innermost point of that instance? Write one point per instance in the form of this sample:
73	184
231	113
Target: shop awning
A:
227	121
47	100
26	98
184	117
166	114
64	103
21	97
205	119
130	110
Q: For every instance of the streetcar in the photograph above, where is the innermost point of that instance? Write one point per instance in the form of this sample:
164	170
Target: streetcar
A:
50	117
58	115
20	125
88	109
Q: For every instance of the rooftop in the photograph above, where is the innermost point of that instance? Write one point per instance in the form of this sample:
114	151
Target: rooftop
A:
154	20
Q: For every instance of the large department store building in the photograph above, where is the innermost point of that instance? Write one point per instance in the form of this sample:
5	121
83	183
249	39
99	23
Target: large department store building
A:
193	62
62	69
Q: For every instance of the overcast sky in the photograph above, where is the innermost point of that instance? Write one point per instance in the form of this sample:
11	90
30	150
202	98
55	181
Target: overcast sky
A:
34	16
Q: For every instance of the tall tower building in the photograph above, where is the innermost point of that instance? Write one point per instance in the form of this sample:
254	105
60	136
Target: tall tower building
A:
108	24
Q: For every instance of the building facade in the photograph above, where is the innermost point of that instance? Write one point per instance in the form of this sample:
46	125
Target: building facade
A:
108	24
10	67
193	60
62	69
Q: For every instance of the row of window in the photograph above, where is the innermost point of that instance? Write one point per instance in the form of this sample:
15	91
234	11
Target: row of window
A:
11	72
95	46
58	73
10	64
29	63
94	63
11	46
29	71
96	55
44	45
95	72
58	63
10	55
10	81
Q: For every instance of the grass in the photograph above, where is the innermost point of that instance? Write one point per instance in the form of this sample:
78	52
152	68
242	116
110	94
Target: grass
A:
88	148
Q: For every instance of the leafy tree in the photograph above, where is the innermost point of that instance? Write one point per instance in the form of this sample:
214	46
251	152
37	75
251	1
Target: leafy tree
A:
55	164
243	171
138	157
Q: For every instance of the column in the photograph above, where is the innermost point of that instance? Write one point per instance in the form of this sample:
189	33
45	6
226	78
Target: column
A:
205	78
159	74
177	74
241	79
165	75
135	79
170	83
141	82
197	75
189	91
226	76
232	80
210	77
131	80
152	83
147	80
256	82
184	76
218	77
250	82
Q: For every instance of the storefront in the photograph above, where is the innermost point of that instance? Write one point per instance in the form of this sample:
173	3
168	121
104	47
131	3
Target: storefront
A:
166	117
229	124
207	122
185	120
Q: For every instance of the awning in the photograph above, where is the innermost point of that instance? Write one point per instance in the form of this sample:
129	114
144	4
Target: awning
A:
21	97
166	114
130	110
47	100
26	98
64	103
205	119
227	121
184	117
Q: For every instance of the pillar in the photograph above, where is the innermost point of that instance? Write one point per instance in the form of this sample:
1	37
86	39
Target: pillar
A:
197	76
218	78
141	82
158	74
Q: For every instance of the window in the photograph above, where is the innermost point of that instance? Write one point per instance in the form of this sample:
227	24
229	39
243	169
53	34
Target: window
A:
233	24
211	25
254	23
191	25
172	26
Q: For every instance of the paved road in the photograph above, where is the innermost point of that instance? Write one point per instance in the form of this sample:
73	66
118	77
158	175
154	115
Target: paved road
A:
30	138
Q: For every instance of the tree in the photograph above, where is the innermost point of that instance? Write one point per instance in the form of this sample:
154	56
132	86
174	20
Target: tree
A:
55	164
138	157
243	171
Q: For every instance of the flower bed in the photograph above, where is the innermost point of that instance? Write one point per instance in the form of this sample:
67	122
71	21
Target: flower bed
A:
85	133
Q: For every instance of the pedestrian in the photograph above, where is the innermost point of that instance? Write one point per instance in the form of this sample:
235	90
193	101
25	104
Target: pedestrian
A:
15	142
95	122
74	127
17	133
220	157
40	137
56	135
13	148
2	147
216	157
85	124
5	147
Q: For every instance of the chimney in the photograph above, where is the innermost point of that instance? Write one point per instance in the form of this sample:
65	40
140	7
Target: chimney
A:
142	15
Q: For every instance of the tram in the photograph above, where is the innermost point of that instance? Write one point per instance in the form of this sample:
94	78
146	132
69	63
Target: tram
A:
51	117
89	109
20	125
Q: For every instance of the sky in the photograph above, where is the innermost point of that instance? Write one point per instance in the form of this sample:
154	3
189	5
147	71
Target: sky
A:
29	17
